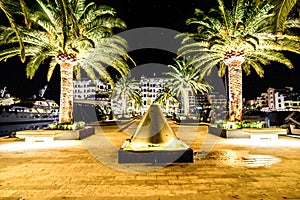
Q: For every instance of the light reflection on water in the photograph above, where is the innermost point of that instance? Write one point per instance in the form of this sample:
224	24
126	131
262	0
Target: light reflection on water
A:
242	158
259	160
7	129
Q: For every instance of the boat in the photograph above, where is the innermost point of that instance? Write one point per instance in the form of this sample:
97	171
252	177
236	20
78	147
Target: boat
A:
16	114
36	109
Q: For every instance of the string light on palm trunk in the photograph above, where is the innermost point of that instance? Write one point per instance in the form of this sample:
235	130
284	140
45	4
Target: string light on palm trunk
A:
66	58
234	57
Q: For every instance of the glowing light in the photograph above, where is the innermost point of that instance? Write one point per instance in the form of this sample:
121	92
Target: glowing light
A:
281	142
27	146
235	60
66	58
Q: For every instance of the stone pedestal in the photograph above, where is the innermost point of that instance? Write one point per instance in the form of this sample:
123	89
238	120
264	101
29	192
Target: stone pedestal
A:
271	133
154	142
228	133
159	156
76	134
46	135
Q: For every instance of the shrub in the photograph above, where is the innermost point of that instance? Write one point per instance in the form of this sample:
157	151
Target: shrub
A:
74	126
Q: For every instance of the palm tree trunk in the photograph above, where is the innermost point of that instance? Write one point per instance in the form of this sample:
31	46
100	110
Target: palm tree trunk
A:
186	102
235	92
66	93
123	105
167	105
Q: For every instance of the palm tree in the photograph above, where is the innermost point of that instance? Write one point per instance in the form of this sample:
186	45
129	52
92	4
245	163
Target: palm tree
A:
136	101
166	97
126	89
75	36
236	39
186	80
280	18
9	7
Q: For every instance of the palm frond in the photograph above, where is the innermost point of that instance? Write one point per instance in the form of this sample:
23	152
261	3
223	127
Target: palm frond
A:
256	66
10	7
223	13
9	53
245	25
34	64
295	23
52	66
281	10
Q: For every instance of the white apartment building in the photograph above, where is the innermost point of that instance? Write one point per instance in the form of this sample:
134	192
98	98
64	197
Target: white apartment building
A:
86	88
283	99
218	105
150	87
262	101
218	101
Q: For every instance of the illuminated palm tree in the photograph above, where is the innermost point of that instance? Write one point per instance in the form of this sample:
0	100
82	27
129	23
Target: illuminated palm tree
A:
186	80
236	39
8	7
136	100
166	97
126	90
280	20
75	36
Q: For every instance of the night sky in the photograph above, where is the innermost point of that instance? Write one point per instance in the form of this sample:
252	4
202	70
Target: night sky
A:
170	14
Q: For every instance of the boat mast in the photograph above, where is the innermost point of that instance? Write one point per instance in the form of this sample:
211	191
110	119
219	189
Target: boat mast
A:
3	91
42	91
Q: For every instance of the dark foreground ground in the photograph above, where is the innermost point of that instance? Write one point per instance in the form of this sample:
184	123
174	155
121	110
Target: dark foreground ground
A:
88	169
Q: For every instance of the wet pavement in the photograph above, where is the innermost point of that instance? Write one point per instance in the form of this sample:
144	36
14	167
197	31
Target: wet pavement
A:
88	168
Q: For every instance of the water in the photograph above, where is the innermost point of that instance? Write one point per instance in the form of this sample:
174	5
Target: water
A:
9	129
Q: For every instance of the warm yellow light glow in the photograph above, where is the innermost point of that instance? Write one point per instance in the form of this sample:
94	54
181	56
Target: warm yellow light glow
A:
26	146
243	158
235	60
139	146
281	142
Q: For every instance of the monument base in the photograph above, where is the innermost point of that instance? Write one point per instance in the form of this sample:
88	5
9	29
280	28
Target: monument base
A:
159	156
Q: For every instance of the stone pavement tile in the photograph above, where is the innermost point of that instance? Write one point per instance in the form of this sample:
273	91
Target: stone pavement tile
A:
74	172
179	182
145	177
166	177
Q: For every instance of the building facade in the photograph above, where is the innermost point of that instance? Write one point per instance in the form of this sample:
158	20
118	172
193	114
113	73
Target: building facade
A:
88	89
283	99
149	88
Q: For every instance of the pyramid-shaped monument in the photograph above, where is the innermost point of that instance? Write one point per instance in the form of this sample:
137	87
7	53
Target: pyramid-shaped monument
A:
154	142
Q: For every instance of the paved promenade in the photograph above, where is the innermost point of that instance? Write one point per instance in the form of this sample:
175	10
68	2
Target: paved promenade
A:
88	169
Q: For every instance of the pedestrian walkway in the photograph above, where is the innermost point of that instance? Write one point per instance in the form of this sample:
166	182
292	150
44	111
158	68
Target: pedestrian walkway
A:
88	169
